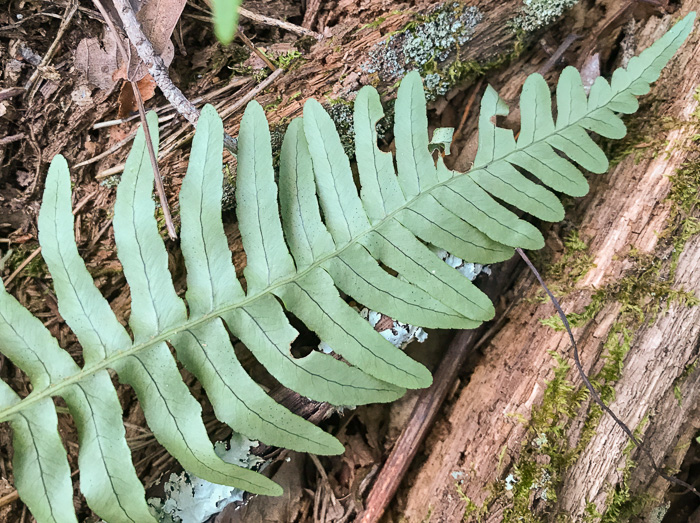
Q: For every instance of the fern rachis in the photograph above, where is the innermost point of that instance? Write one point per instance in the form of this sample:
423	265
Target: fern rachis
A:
299	260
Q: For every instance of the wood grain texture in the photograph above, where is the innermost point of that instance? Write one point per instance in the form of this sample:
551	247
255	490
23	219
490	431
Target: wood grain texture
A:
626	208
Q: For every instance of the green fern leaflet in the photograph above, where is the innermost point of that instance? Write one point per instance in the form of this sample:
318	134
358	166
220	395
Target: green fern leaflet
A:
329	238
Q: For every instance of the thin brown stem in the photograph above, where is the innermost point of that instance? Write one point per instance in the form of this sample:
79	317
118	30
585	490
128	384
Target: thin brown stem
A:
160	189
248	42
594	393
31	86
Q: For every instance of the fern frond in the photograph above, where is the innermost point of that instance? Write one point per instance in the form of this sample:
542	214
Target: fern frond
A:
323	237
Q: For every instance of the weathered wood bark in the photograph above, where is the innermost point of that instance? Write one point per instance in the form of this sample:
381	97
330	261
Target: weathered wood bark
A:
340	65
482	434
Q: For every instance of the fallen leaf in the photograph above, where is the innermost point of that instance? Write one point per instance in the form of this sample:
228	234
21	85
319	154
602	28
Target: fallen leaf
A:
100	62
127	103
96	60
158	19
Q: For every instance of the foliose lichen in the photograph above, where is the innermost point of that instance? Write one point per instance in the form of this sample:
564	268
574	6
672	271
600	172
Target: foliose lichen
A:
189	499
341	112
538	13
423	43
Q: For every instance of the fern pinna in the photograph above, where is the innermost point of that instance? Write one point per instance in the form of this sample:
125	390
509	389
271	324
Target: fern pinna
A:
328	238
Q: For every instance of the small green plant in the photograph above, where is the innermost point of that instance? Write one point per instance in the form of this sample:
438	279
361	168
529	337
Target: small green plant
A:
296	262
288	59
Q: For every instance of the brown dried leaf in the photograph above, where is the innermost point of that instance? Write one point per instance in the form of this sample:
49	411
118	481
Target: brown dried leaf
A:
99	59
158	19
127	103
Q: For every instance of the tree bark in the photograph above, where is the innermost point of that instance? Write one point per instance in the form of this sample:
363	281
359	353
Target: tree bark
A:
337	67
475	452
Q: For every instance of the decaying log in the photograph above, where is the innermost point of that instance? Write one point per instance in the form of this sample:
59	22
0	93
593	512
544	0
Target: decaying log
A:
352	56
477	453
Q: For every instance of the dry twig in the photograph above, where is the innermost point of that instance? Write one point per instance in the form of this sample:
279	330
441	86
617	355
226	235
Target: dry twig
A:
178	139
236	81
303	31
13	138
467	109
170	226
155	64
36	251
31	84
257	51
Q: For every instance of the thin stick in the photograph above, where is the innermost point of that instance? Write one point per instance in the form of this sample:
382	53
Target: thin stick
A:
22	265
67	17
261	19
36	251
157	69
230	143
251	94
236	81
468	108
9	498
248	42
558	53
9	139
155	64
108	152
169	225
594	394
266	20
6	94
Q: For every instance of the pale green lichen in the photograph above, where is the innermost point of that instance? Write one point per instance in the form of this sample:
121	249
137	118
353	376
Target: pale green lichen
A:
536	14
341	112
428	41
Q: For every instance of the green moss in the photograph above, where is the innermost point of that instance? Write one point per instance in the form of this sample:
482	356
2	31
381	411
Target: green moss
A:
685	198
647	130
373	25
678	383
273	105
546	452
472	511
646	291
574	264
34	269
290	60
646	134
622	504
642	294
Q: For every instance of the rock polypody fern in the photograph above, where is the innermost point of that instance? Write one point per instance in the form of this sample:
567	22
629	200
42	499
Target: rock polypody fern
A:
328	238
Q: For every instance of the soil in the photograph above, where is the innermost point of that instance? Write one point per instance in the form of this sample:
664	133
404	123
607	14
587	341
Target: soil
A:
58	112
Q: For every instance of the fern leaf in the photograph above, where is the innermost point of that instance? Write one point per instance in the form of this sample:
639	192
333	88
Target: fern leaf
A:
171	411
211	283
312	298
108	479
381	193
40	465
327	238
